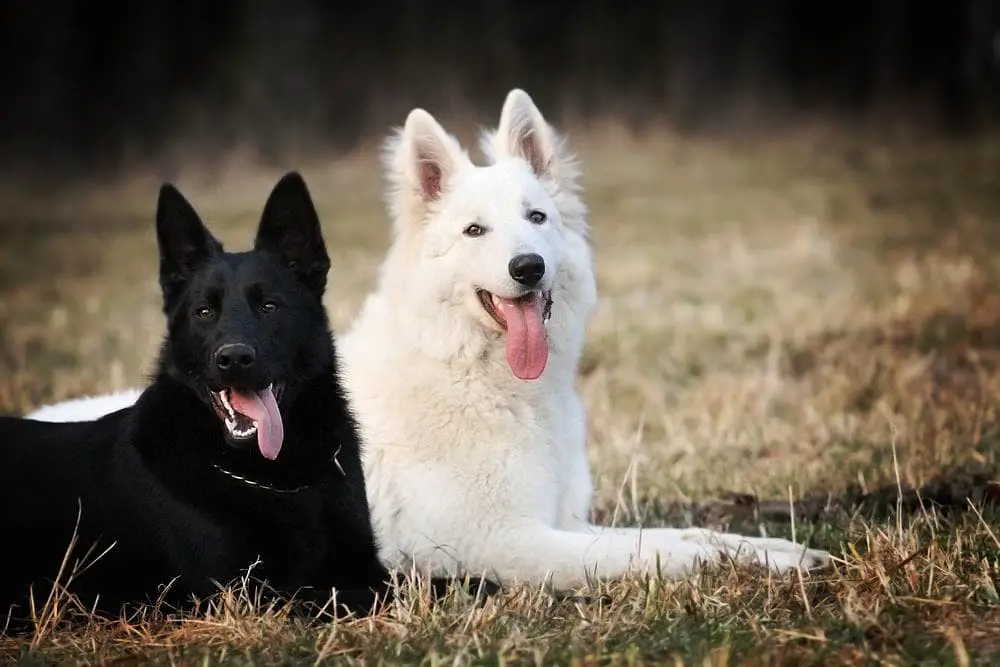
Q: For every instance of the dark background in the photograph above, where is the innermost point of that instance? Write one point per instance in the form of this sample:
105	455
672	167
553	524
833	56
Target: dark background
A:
92	85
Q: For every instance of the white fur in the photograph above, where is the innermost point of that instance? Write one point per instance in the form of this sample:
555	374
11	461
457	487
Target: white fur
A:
85	409
469	469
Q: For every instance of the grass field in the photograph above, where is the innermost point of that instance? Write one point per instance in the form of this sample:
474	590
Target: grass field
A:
814	316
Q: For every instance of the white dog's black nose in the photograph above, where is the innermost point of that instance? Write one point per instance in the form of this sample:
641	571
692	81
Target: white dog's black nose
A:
527	269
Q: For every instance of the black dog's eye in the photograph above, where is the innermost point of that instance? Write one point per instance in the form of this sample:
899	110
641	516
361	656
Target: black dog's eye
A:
474	230
203	312
537	217
268	307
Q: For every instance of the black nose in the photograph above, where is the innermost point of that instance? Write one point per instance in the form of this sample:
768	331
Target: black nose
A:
235	356
527	269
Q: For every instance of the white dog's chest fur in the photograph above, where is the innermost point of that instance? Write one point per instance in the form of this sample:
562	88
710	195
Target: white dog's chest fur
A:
460	450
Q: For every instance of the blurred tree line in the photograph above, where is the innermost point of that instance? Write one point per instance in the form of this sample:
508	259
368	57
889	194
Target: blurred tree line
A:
83	80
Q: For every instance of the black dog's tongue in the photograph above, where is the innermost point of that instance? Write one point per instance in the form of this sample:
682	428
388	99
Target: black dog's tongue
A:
262	408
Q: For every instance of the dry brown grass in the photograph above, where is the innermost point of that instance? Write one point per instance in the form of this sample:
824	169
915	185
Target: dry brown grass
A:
812	316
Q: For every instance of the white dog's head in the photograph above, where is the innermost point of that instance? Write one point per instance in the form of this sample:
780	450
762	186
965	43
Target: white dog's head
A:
486	244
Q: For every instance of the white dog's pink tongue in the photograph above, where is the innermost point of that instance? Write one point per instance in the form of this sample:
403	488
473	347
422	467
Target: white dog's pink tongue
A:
527	344
263	410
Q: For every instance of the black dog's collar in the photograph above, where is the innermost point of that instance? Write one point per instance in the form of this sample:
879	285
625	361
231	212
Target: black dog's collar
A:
274	489
258	485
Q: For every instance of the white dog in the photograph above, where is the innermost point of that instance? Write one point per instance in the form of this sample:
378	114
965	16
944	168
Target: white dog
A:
461	369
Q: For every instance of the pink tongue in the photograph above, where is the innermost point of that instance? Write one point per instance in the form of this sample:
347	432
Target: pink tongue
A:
527	345
263	410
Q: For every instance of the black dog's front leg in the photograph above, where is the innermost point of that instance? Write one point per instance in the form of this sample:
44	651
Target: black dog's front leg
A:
478	587
338	603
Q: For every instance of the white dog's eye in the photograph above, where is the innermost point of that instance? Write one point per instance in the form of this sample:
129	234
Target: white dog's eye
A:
474	230
537	217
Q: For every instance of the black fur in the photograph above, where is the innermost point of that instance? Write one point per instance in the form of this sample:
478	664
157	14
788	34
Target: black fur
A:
164	483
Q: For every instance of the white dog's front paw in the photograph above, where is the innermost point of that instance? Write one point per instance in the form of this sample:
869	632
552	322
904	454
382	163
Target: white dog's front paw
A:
800	558
783	555
777	554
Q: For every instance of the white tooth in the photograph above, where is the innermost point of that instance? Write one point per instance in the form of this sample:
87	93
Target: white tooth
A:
225	402
242	433
231	425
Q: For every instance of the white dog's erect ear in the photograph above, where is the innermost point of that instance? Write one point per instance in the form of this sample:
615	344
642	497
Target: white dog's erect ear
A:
421	158
523	132
427	155
433	162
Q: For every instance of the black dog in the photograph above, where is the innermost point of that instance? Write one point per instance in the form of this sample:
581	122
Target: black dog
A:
241	450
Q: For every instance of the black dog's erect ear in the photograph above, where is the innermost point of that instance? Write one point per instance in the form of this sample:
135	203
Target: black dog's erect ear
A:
185	243
290	228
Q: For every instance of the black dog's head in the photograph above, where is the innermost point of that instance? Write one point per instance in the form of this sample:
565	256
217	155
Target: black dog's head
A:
245	330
